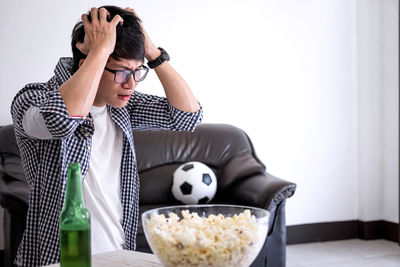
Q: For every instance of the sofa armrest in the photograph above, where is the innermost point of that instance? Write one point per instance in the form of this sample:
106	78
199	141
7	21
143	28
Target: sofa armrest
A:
262	190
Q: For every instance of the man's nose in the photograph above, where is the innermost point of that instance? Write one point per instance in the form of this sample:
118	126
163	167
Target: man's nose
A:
130	83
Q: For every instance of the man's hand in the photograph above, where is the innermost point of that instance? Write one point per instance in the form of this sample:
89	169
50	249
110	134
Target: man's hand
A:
79	92
151	52
99	33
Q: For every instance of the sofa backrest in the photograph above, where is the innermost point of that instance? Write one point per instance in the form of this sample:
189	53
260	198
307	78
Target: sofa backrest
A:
212	144
224	148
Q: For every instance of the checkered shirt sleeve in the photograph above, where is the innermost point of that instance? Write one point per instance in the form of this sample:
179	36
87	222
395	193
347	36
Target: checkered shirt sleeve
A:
149	112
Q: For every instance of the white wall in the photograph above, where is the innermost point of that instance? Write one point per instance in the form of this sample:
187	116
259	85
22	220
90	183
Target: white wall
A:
290	73
378	76
390	85
370	109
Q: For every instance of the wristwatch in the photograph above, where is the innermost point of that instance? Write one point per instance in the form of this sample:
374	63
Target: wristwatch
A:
158	61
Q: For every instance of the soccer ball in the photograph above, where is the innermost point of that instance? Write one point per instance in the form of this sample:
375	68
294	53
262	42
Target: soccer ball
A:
194	183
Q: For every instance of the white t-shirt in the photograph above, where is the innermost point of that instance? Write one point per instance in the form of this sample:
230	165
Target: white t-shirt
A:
101	185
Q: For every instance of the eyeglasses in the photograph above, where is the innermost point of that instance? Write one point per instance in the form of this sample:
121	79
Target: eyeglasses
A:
122	76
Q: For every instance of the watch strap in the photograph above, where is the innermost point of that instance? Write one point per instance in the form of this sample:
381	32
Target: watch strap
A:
158	61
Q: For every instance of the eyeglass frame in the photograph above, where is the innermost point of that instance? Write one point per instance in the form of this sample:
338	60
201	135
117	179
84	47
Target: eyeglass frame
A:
132	72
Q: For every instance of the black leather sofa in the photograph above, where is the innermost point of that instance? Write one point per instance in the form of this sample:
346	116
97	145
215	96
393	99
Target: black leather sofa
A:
242	179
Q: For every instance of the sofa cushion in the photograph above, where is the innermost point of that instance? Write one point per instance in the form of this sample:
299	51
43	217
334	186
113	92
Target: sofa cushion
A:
155	185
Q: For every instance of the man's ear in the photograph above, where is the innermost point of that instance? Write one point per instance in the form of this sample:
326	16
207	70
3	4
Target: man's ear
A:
81	62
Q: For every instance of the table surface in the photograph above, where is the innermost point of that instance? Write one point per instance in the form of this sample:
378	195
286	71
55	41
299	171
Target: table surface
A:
122	258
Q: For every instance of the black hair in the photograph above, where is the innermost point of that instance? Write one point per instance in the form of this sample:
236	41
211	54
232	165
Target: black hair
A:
129	41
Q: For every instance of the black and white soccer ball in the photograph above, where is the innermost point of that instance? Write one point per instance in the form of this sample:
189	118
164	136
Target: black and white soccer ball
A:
194	183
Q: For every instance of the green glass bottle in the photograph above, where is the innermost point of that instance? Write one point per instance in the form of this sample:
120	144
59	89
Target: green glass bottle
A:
74	223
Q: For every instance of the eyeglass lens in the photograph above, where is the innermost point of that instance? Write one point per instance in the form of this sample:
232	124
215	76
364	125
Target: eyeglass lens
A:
124	75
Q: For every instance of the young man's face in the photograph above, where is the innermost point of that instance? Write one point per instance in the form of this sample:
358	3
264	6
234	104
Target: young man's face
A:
116	94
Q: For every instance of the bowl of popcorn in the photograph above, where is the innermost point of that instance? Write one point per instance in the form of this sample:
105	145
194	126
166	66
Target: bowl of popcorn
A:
206	235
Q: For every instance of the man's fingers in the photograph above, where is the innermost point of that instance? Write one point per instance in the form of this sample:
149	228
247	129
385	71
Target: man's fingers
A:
103	13
81	47
117	19
85	18
94	14
132	10
85	21
129	9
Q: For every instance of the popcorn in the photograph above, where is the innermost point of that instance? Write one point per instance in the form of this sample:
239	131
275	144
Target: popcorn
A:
212	241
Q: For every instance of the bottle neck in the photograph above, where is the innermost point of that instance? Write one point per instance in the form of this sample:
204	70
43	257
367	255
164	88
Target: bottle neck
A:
74	192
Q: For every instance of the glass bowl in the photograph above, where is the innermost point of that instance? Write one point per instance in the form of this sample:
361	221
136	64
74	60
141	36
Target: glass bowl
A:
206	235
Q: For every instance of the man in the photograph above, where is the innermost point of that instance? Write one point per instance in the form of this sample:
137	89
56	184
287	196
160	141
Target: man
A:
86	113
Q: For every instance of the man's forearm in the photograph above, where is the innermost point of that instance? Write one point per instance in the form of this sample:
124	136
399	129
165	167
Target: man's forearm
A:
176	89
80	91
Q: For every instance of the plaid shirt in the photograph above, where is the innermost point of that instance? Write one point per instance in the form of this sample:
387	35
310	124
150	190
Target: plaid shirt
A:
45	161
